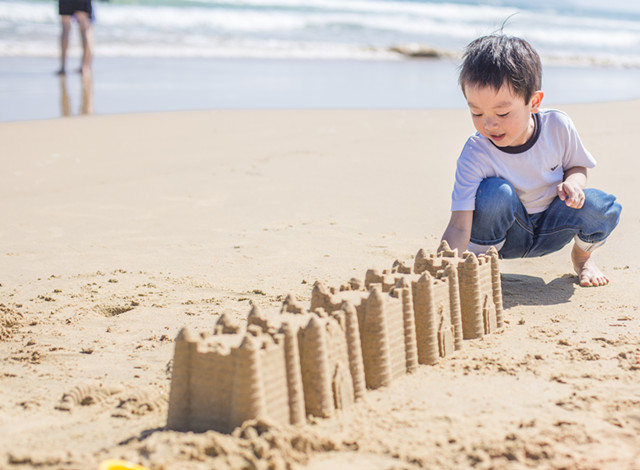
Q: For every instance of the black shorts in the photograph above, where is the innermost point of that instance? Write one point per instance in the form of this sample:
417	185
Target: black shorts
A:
69	7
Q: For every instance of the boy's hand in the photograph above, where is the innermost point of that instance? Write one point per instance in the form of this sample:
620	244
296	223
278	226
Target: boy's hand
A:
571	193
458	231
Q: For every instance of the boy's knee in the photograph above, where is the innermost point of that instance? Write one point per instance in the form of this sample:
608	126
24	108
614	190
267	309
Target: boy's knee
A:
495	194
601	204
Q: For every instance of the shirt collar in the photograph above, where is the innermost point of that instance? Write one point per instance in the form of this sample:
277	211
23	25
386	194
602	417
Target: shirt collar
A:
529	143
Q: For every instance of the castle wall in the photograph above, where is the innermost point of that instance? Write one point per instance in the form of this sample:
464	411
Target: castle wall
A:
211	391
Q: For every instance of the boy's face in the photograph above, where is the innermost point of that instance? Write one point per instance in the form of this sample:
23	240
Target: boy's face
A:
502	116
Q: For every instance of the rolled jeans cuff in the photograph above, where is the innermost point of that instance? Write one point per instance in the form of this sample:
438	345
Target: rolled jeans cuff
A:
481	249
588	246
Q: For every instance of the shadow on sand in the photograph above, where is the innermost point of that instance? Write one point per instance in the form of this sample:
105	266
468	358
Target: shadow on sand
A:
520	289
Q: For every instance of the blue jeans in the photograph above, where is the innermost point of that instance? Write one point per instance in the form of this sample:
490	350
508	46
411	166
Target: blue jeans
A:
500	220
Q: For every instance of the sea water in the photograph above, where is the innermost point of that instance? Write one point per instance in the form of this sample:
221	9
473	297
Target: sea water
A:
566	31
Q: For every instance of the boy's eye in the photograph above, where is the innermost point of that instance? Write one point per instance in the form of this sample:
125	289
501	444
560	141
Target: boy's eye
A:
476	114
503	115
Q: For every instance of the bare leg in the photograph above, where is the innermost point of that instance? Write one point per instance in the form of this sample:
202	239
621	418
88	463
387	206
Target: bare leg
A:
64	96
589	275
87	93
64	42
87	47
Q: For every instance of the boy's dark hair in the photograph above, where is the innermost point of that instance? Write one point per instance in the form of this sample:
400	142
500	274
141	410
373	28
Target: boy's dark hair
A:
495	59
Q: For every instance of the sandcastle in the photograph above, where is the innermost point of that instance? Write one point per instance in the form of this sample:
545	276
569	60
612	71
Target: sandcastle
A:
298	362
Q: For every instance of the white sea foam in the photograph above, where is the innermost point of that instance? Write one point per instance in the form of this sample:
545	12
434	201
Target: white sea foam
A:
587	32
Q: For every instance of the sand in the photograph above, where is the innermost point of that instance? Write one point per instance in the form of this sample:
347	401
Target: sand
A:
118	231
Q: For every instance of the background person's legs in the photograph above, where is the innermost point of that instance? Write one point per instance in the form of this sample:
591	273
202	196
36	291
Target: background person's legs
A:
64	41
84	22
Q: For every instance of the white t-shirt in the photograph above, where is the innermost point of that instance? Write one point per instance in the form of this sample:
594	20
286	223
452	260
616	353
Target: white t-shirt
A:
534	169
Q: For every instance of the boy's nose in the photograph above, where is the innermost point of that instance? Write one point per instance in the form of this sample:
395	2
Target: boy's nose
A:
490	124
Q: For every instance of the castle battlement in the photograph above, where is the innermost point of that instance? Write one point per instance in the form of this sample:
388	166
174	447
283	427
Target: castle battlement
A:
292	363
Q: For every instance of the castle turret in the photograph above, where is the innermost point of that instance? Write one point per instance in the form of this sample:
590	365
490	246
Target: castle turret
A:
454	304
356	365
179	414
256	317
316	377
470	298
319	296
420	262
445	250
248	400
400	267
410	342
375	342
290	305
227	325
294	376
426	327
372	277
496	285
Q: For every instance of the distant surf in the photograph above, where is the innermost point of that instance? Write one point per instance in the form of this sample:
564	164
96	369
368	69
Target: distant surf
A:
581	32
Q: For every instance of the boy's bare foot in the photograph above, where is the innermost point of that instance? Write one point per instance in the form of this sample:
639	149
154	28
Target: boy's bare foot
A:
589	275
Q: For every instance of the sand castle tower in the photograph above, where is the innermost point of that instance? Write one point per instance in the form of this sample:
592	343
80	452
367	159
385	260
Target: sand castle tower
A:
356	363
294	381
326	366
480	291
220	381
330	356
404	291
481	298
386	329
385	280
433	313
436	303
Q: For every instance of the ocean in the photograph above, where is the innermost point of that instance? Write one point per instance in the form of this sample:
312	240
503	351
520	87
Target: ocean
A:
164	55
563	31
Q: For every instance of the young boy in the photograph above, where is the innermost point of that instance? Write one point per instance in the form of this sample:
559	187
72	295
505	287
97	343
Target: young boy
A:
519	183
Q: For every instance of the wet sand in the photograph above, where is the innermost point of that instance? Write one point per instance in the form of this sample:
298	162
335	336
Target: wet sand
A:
30	90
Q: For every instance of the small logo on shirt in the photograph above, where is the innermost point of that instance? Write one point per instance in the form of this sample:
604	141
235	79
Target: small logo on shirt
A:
554	167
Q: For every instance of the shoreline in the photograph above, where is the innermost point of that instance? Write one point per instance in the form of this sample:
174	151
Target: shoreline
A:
30	90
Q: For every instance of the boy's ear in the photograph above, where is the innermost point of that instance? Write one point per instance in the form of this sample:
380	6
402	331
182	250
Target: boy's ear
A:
536	100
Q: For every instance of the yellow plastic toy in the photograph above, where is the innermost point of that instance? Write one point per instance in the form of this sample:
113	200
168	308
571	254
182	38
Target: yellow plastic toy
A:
120	465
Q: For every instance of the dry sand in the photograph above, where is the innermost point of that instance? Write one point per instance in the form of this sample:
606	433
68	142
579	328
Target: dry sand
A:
117	231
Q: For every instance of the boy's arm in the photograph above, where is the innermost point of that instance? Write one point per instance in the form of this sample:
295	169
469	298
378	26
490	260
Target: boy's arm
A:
571	190
458	232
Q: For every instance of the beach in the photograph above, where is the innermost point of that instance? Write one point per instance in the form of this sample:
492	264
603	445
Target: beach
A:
121	229
225	155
